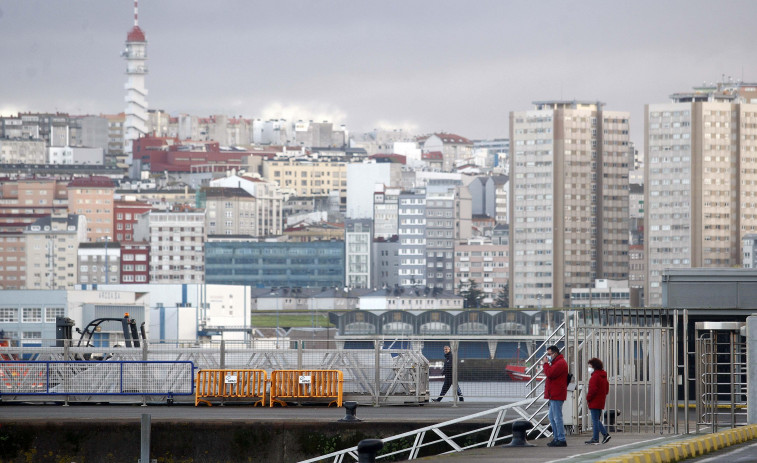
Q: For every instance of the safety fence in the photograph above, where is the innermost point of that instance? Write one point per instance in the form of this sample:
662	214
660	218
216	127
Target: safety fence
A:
246	385
306	384
240	384
81	377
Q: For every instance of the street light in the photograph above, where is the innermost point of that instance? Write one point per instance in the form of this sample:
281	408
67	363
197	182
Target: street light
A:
273	293
106	259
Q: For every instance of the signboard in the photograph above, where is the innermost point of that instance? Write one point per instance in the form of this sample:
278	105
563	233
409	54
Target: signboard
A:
304	379
230	379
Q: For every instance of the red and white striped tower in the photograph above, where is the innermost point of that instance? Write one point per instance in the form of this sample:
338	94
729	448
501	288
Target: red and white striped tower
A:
135	123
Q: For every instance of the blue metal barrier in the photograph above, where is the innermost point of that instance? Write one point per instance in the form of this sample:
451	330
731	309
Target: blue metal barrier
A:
78	377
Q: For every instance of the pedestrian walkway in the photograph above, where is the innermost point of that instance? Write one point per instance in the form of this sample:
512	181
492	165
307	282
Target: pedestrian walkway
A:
576	451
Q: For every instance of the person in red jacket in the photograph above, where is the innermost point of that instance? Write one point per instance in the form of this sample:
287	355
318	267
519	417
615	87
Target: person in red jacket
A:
556	390
599	387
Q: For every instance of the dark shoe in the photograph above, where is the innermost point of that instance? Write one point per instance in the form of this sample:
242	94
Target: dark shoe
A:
606	439
560	443
591	442
436	400
461	399
552	444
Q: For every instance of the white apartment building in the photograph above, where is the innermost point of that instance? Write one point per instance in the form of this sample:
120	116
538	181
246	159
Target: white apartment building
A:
385	211
18	151
701	180
568	200
358	235
176	240
52	243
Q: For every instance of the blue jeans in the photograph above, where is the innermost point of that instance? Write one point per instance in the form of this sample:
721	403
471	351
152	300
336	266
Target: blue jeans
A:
596	424
555	419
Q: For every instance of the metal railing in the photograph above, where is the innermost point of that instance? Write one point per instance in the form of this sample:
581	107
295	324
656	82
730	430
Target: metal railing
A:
443	438
60	377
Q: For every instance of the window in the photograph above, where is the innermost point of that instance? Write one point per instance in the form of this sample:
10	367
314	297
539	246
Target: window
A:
52	312
32	315
32	335
8	315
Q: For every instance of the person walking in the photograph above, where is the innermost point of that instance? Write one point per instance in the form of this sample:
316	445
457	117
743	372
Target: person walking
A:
556	391
447	371
599	387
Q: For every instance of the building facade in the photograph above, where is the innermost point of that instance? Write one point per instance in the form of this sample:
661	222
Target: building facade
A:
52	243
701	180
92	197
358	236
242	261
177	245
568	200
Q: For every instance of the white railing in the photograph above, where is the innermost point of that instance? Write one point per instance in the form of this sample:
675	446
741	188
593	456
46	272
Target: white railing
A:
410	445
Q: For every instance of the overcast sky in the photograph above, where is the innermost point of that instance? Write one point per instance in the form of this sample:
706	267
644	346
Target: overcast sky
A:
457	66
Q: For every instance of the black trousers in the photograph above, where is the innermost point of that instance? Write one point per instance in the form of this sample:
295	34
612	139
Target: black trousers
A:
446	386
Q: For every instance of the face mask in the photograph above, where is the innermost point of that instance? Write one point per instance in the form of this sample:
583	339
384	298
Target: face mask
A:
591	370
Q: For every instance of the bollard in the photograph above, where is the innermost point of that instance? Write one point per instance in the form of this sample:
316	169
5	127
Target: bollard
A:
519	434
350	407
367	449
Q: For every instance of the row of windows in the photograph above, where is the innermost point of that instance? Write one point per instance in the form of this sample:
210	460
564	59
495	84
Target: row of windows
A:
30	314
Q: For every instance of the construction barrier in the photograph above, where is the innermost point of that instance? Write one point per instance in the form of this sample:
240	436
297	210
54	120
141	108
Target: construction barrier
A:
231	384
306	384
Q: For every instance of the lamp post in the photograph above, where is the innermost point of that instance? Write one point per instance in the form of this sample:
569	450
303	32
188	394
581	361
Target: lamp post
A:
273	293
106	259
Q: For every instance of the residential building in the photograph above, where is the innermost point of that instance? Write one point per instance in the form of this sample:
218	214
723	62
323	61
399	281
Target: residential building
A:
99	263
75	155
92	197
268	214
52	128
491	153
125	214
568	200
481	261
453	149
245	261
39	196
229	211
502	201
135	262
115	151
177	246
448	219
385	211
13	253
701	180
412	238
22	151
385	262
358	236
637	274
308	177
51	251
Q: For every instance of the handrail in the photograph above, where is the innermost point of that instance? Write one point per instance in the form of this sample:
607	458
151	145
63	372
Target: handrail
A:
417	436
534	365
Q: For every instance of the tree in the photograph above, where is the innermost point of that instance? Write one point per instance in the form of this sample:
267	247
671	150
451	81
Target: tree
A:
503	298
473	295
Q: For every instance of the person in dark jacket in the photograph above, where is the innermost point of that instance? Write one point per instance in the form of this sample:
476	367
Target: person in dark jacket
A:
447	371
599	387
556	391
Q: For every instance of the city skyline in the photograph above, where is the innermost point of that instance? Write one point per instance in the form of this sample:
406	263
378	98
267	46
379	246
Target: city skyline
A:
424	66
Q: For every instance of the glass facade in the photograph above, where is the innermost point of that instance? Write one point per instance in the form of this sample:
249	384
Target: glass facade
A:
313	264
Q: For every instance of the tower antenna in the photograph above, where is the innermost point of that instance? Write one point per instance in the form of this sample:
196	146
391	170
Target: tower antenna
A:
136	13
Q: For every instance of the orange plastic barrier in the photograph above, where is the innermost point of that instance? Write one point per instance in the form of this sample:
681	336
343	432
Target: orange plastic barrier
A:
306	384
231	383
